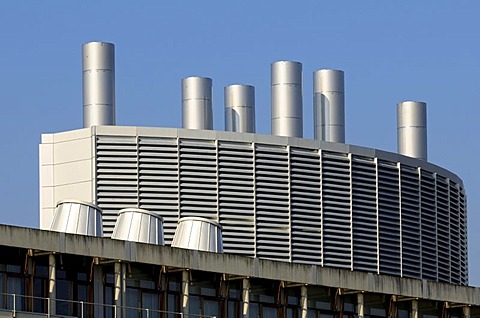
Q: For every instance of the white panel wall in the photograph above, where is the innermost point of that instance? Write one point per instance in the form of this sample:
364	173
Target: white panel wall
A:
66	170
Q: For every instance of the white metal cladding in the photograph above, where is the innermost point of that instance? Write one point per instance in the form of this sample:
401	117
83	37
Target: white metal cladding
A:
292	199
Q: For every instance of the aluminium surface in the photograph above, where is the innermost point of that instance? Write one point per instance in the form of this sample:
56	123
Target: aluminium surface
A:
286	99
77	217
288	199
412	129
98	66
239	108
139	225
240	266
197	110
329	105
200	234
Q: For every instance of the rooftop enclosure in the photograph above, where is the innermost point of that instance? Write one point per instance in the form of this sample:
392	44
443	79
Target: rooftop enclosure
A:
293	225
278	198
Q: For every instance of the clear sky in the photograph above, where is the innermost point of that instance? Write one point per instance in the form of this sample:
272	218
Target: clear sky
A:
391	51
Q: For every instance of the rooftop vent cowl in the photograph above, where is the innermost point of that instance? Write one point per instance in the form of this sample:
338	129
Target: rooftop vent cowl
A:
77	217
196	233
138	225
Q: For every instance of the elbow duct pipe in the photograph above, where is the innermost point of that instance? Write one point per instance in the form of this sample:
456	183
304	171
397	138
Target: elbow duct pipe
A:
98	72
240	108
329	105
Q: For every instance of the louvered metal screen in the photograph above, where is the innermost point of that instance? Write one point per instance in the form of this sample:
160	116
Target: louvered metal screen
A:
293	203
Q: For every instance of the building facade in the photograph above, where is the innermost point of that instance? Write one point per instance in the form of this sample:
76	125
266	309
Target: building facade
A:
45	273
279	198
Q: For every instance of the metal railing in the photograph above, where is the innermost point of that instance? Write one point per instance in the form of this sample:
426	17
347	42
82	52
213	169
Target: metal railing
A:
50	307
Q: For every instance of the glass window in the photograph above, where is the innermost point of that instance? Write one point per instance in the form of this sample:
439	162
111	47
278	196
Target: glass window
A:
269	312
173	305
16	285
132	302
233	309
2	290
211	308
64	291
194	305
253	310
150	301
40	290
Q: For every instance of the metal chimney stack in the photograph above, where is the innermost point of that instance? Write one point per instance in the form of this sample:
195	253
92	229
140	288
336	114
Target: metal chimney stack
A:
412	129
197	103
329	105
98	65
240	108
286	99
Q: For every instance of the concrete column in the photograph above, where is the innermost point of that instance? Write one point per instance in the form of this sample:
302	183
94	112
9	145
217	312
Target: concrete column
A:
466	312
360	305
245	297
414	309
52	289
185	292
304	301
119	289
98	297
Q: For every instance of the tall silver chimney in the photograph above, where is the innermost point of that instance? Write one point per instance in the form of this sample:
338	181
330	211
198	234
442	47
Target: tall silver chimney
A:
412	129
240	108
98	65
329	105
286	99
197	103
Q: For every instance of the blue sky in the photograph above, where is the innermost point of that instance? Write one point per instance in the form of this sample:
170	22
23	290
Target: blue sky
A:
390	52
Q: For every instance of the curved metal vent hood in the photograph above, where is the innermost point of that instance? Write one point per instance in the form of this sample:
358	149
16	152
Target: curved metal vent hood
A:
77	217
195	233
139	225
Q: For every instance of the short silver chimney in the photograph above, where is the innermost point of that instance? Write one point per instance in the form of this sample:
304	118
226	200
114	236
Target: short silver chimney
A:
98	84
412	129
197	103
329	105
286	99
240	108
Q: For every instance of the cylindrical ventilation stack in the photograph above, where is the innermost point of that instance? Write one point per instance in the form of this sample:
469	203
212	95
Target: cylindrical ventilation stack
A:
329	105
197	103
240	108
98	84
286	99
412	129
